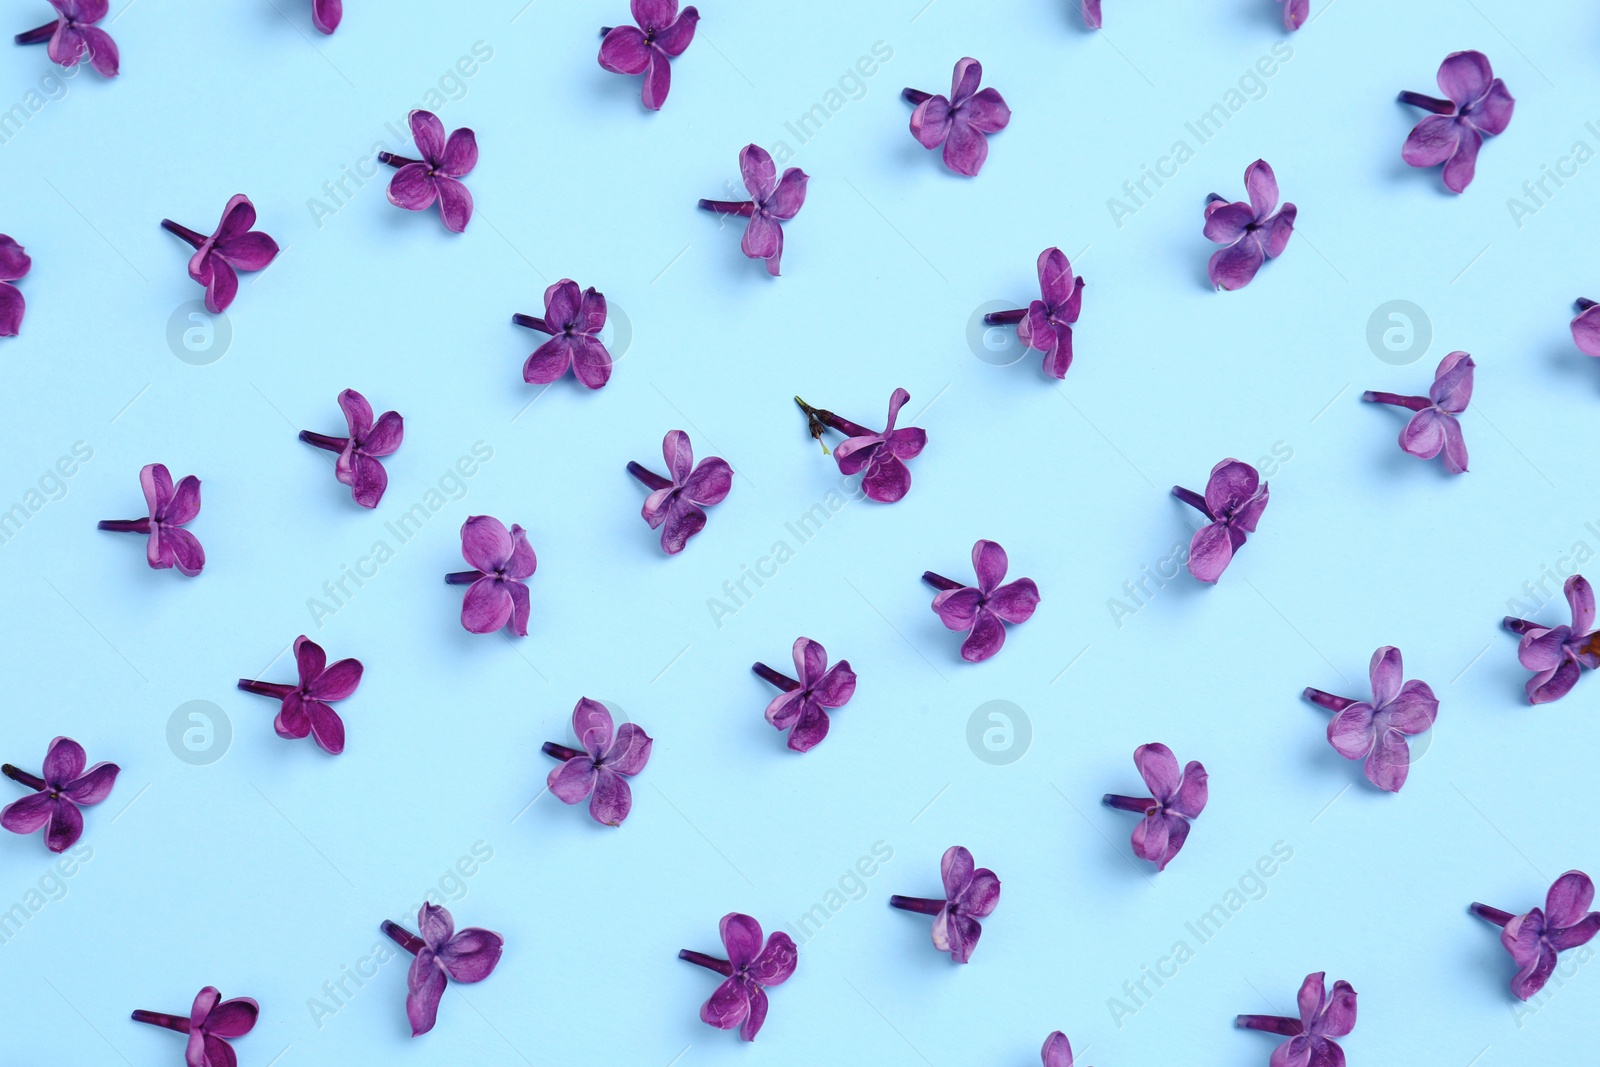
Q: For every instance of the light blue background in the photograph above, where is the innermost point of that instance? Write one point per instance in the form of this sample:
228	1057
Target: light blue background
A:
268	871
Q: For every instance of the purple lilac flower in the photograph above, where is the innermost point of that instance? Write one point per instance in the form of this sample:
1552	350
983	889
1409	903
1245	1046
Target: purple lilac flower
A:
775	201
1235	498
599	771
1176	797
1323	1017
750	969
1375	731
358	465
573	319
881	455
442	954
232	248
1294	13
1057	1051
211	1023
1478	104
1253	232
62	785
661	36
1434	428
984	609
1046	324
1537	937
970	894
14	264
171	507
676	504
503	560
73	34
419	182
1585	326
802	706
305	708
1558	654
1091	19
325	14
962	121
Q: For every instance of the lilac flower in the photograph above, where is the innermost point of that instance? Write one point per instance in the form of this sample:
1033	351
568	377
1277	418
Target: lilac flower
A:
962	121
325	14
881	455
802	706
1323	1017
1375	730
661	36
776	200
969	895
676	505
573	319
503	560
1235	498
1046	324
170	509
232	248
442	954
358	465
211	1022
1253	232
305	707
599	770
1091	19
1537	937
1057	1051
1478	104
1434	428
750	969
1585	326
419	182
53	806
1294	13
14	264
1559	653
1176	797
983	610
73	34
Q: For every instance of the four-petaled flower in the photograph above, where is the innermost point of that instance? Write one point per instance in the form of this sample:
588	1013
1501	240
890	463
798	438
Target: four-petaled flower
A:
64	784
962	121
14	264
1047	327
1323	1017
1254	232
984	609
676	504
1434	428
503	560
749	970
73	33
802	706
232	248
1235	498
419	182
661	36
1294	13
1478	104
1376	730
358	465
1538	936
599	770
325	14
211	1022
442	954
1558	654
881	455
1175	798
170	508
970	894
776	201
305	707
1057	1050
573	318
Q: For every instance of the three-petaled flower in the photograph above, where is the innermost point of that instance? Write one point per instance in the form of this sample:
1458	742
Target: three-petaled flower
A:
663	32
1046	324
14	265
211	1023
962	121
1176	797
74	33
984	609
1538	936
1558	654
419	182
598	772
357	465
1234	500
802	706
1324	1016
1478	104
305	707
750	969
1435	427
882	456
232	248
443	954
970	894
169	545
1375	731
775	201
62	785
503	560
1253	232
676	505
573	318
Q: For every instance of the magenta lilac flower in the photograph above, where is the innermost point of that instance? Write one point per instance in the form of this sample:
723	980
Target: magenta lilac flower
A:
1057	1051
1176	797
1585	325
599	770
1253	232
1091	19
984	609
802	706
211	1024
1536	937
73	33
962	121
1234	500
358	465
417	183
970	894
1375	731
325	14
774	201
62	785
676	505
171	507
1477	104
502	560
882	456
750	969
1046	324
1294	13
14	265
1323	1017
1558	654
232	248
1435	427
663	32
305	707
573	319
443	954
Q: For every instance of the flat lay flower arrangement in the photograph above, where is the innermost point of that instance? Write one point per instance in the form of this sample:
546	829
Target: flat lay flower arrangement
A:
935	555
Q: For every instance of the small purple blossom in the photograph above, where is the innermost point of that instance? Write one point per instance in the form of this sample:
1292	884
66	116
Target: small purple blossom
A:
419	182
1375	731
1435	427
962	121
1558	654
1234	500
1176	797
14	265
1478	104
74	33
1295	13
1046	324
62	785
802	706
750	969
1323	1017
984	609
661	36
676	505
882	456
970	894
212	1022
1057	1050
775	201
599	771
326	14
573	318
503	561
171	507
358	465
1585	325
305	707
1253	232
1536	938
234	247
443	954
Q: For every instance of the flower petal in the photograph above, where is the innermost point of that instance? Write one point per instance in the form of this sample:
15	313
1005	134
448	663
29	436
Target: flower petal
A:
1415	709
624	51
485	542
426	982
1465	76
1351	732
1262	186
989	563
966	149
471	955
986	112
1452	383
573	780
12	307
759	172
887	479
412	188
1423	435
710	482
1015	601
1210	552
958	608
94	785
64	761
428	133
675	38
932	121
1460	168
28	815
1234	267
684	520
549	361
1568	900
65	827
741	937
455	203
327	729
790	195
1432	141
1492	114
777	961
1159	769
728	1006
233	1018
1580	598
486	607
630	750
1386	671
1389	761
460	154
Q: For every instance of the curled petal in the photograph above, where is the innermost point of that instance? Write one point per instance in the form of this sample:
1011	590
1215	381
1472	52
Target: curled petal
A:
987	636
1351	732
958	608
710	483
931	122
1465	76
1580	598
471	955
426	982
1568	900
887	479
1460	168
573	780
675	38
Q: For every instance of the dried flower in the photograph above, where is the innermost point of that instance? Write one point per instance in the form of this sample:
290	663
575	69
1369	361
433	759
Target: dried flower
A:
14	264
661	36
750	968
676	505
1046	324
969	895
1434	428
962	121
1235	498
1536	938
599	770
573	319
881	455
982	610
53	806
358	465
1376	730
1176	797
232	248
419	182
1323	1017
802	706
1478	104
73	34
1253	232
775	201
170	508
305	708
503	560
1559	653
211	1022
442	954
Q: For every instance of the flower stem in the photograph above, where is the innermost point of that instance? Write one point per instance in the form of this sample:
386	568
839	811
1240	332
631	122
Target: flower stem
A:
392	160
17	774
194	239
37	35
814	424
1327	700
1194	500
1518	626
1411	403
916	96
649	477
161	1018
939	581
560	752
920	905
710	963
1494	915
332	444
777	678
531	323
1005	318
1427	103
1583	303
606	29
125	525
463	577
743	208
276	690
1272	1024
403	937
1141	805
